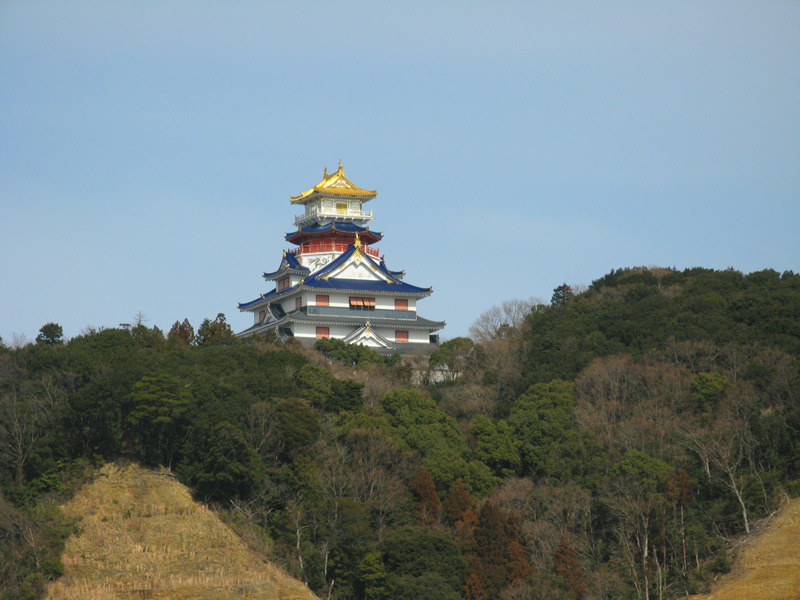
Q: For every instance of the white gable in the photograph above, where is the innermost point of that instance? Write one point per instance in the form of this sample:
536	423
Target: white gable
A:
365	335
358	266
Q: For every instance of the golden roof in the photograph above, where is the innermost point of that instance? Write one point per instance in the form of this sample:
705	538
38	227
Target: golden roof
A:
336	184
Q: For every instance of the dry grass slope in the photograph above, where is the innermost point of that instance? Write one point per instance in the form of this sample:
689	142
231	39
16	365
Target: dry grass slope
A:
769	567
144	537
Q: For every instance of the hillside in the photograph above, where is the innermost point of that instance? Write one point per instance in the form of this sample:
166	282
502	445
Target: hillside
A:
768	567
618	442
141	535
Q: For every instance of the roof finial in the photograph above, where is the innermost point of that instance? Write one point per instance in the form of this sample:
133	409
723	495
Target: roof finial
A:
341	170
325	173
357	243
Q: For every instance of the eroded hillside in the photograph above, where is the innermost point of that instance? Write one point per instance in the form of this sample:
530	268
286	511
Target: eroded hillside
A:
769	567
142	536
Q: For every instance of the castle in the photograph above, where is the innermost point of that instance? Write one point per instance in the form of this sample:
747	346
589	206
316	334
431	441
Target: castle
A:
335	284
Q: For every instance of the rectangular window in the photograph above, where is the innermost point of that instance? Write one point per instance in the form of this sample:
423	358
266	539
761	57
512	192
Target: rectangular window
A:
362	302
283	283
323	332
261	315
322	300
298	302
401	304
400	336
341	209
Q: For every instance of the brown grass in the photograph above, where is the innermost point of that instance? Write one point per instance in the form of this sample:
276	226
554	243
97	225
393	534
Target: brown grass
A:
768	567
142	536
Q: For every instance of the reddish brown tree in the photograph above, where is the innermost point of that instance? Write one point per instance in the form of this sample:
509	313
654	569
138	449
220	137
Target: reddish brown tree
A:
473	588
428	501
565	564
458	507
181	333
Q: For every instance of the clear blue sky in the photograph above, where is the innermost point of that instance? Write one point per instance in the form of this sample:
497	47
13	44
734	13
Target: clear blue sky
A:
148	149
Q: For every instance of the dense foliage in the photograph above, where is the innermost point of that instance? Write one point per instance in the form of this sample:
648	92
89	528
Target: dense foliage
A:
614	443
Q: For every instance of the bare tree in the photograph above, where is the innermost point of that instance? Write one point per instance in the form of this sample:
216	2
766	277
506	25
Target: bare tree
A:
500	321
23	421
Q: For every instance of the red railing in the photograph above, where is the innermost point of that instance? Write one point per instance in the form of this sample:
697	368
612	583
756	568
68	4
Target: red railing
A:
331	247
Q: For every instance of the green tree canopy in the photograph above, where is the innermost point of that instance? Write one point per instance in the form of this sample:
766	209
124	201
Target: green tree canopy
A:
50	334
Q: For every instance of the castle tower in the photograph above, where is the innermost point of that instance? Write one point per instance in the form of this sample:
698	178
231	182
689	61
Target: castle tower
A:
335	284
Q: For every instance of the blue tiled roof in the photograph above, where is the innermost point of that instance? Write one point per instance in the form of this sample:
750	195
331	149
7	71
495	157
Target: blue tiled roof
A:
318	281
291	263
343	227
394	285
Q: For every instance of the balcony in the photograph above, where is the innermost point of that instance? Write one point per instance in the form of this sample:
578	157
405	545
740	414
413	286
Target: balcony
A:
360	313
329	214
312	248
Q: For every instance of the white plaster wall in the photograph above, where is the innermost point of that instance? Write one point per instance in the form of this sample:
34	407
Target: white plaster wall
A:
307	330
419	336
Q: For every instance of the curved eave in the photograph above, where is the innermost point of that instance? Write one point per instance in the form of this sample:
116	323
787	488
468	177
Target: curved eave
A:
358	286
280	273
346	230
334	192
298	316
267	298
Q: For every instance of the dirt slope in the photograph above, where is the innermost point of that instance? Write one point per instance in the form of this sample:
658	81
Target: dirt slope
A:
769	567
144	537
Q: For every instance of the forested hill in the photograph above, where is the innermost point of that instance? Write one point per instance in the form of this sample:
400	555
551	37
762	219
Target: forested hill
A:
613	443
637	310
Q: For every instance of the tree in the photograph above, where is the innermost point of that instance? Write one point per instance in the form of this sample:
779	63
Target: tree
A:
50	334
565	564
348	354
561	295
495	445
159	405
298	422
452	356
427	499
541	418
215	333
458	507
498	548
502	321
416	551
181	333
707	389
23	422
225	465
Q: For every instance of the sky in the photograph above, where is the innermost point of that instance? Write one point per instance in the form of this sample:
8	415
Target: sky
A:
148	150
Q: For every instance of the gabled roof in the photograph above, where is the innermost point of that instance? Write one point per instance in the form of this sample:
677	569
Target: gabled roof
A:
372	278
365	335
331	277
289	264
338	229
335	184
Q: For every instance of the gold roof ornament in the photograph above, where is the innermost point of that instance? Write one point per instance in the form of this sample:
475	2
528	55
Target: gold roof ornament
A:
357	243
335	184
